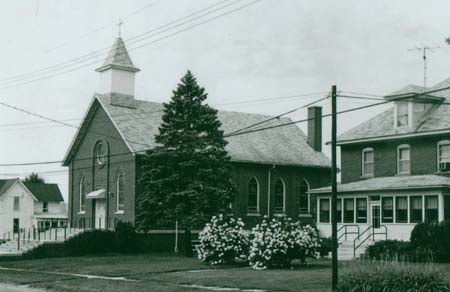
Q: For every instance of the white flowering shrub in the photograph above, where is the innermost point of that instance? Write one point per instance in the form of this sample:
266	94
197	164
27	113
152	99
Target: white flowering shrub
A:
223	241
279	241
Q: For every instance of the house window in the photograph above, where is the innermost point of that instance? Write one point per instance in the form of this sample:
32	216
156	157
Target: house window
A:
253	194
324	214
349	211
431	209
82	195
361	210
45	207
303	197
16	206
120	185
402	114
443	153
279	196
416	209
401	207
339	211
368	162
387	209
403	159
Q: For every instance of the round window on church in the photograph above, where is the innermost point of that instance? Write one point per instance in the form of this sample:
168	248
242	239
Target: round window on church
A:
101	152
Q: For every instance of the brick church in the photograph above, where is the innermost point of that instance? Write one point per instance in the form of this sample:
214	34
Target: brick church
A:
273	169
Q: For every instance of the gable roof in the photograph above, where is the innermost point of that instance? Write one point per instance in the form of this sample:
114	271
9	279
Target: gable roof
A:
390	183
139	124
5	184
436	119
45	192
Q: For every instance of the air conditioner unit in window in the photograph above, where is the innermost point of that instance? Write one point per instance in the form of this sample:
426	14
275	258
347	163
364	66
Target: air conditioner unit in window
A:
444	166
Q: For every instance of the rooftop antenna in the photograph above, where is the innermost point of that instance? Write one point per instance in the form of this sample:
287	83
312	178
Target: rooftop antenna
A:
423	48
119	25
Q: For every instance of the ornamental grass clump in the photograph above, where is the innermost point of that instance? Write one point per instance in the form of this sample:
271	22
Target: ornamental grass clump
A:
391	276
223	241
276	242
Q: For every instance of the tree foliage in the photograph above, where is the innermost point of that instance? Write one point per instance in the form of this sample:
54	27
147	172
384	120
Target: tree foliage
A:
34	178
188	175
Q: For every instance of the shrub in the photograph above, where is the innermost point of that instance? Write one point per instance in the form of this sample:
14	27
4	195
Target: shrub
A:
279	241
398	250
326	245
125	237
433	239
382	276
223	241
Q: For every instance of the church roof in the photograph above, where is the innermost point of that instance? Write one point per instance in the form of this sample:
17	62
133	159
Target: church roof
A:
436	119
285	145
118	58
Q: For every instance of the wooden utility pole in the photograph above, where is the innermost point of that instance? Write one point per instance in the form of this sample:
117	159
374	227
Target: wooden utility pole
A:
334	263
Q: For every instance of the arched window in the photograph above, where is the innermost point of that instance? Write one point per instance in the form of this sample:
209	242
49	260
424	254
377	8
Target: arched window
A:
303	197
279	196
82	195
101	153
253	195
120	192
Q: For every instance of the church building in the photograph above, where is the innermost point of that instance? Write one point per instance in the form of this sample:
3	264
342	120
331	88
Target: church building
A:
273	169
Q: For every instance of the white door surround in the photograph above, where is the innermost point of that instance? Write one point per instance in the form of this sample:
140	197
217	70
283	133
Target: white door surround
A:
100	213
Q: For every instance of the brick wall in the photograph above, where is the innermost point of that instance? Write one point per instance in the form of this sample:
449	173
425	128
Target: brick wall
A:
105	177
423	155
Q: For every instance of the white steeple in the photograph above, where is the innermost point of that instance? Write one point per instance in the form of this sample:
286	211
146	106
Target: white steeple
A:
117	74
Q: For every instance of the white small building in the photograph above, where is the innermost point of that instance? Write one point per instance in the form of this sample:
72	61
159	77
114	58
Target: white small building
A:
24	206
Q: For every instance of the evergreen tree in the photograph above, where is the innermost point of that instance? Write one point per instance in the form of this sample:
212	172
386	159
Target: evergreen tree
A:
187	177
34	178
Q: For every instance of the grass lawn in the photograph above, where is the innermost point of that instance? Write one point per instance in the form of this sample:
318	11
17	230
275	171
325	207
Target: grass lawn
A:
159	272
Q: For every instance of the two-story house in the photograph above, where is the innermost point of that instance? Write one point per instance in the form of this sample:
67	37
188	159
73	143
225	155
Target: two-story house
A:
273	170
395	167
26	206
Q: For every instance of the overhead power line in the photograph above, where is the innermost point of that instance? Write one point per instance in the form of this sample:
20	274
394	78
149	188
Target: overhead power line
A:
64	68
259	129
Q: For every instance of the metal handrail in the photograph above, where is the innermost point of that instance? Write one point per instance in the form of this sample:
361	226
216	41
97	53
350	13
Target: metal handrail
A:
348	232
355	247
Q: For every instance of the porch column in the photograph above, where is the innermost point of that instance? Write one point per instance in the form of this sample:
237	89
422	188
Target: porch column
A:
441	207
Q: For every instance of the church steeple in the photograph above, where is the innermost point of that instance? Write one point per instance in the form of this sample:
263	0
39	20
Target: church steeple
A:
117	75
118	58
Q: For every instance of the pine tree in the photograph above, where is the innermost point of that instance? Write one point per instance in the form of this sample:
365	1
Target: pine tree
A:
34	178
187	177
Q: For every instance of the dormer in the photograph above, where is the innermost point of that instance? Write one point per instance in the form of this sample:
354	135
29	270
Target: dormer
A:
410	105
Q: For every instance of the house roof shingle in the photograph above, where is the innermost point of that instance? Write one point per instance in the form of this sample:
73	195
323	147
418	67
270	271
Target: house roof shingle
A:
5	184
45	192
381	126
390	183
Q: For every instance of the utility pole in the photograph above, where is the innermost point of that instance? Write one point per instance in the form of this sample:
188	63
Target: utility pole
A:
334	245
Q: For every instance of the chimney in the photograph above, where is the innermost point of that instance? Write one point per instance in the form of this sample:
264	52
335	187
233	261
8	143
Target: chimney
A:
117	75
315	128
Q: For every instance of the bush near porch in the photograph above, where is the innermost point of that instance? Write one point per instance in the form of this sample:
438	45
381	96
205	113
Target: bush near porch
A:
430	242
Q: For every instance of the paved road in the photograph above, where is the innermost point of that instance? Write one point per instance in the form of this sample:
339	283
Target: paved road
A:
10	288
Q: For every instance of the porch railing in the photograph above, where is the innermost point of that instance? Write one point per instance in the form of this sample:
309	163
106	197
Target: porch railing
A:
368	233
346	232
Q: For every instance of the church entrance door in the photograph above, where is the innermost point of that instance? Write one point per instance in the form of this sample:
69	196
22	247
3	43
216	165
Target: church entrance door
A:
100	214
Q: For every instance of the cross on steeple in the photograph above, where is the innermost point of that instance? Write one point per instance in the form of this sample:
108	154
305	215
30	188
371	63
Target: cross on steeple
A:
119	25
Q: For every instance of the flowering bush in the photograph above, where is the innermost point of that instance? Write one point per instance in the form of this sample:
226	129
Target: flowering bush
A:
279	241
223	240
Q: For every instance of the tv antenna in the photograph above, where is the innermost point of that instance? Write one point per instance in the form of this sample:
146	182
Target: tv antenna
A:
423	48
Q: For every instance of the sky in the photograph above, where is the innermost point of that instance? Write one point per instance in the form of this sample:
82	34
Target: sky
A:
249	55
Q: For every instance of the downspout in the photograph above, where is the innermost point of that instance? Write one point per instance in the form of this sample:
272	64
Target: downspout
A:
268	190
71	193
